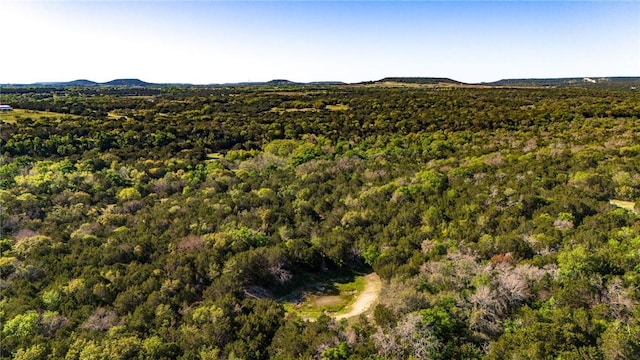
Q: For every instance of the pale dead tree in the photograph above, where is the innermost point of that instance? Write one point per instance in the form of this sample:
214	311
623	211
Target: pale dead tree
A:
374	174
344	164
190	243
25	233
486	312
410	338
130	207
427	245
262	162
494	159
456	272
52	322
514	282
439	274
478	177
618	299
386	344
351	337
466	267
562	224
101	320
530	146
424	344
512	288
402	297
533	242
557	148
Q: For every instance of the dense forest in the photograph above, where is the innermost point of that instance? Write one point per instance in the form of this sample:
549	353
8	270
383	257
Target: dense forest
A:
169	223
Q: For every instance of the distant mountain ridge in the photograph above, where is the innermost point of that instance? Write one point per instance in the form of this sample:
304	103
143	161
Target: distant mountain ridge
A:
612	82
570	82
140	83
89	83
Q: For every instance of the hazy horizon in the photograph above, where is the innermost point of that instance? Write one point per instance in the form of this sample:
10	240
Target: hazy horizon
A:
209	42
315	81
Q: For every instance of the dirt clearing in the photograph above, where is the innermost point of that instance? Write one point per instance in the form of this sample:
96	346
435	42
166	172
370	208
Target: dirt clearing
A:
628	205
365	299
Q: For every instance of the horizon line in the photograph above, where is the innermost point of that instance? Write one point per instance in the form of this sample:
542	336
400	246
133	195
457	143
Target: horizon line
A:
314	81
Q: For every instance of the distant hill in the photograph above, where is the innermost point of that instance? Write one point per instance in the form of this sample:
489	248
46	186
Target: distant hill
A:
327	83
127	82
281	82
89	83
570	82
81	82
413	82
421	80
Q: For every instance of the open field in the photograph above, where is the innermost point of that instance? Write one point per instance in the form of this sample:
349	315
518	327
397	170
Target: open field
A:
337	107
20	114
628	205
114	115
284	110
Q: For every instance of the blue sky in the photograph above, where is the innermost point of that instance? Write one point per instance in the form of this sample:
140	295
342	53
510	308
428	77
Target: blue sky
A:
232	41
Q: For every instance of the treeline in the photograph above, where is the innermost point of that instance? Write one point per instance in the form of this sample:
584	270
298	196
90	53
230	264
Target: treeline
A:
144	230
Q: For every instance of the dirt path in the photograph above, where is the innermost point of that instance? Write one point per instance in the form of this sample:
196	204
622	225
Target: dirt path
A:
368	297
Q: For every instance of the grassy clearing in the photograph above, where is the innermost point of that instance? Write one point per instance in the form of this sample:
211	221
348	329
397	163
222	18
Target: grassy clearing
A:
20	114
215	156
115	115
338	107
628	205
399	84
283	110
330	297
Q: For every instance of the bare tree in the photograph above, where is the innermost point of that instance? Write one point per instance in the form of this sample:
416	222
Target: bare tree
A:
410	338
101	320
618	299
